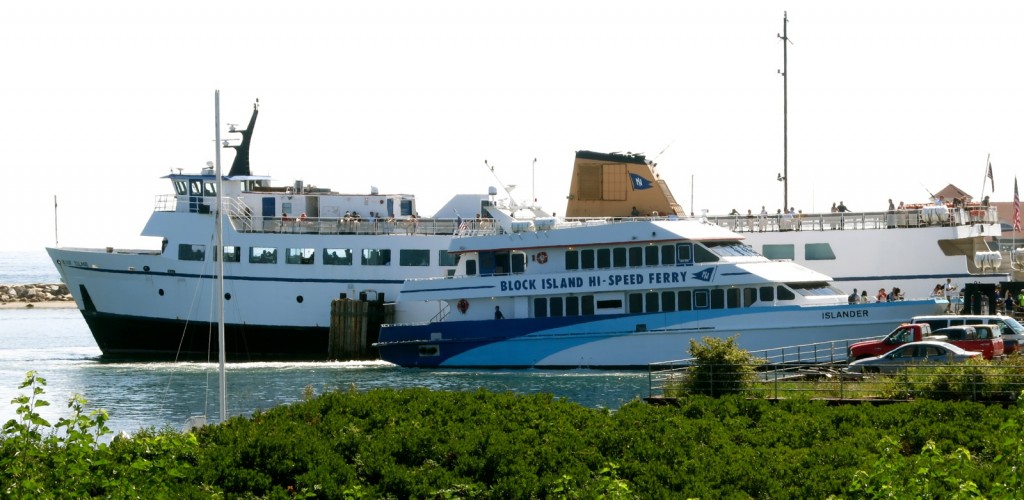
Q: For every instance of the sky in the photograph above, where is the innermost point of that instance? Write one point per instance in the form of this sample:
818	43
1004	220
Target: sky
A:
885	100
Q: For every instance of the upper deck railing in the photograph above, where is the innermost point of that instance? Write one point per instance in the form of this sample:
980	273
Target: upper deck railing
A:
834	221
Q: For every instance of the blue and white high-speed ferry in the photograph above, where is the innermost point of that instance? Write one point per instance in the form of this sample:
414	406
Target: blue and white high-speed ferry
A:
619	293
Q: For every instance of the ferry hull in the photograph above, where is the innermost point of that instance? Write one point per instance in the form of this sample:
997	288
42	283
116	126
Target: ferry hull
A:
633	341
122	337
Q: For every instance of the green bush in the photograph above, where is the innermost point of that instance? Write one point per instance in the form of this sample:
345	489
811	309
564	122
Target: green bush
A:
720	367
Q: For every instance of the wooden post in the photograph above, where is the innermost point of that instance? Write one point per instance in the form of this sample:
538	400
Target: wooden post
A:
355	325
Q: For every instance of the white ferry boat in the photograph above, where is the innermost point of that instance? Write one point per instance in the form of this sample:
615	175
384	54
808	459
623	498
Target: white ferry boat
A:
288	252
912	249
619	294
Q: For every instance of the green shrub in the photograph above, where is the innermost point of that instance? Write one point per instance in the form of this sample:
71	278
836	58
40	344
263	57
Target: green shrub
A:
720	367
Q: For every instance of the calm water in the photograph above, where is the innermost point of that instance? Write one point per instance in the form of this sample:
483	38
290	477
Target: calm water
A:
57	344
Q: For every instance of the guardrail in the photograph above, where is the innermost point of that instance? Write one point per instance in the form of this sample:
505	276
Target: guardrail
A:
997	381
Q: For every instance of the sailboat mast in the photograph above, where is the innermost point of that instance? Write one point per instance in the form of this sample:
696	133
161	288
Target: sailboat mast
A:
221	357
785	114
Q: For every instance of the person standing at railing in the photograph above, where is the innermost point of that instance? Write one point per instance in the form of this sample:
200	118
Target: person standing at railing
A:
762	221
842	214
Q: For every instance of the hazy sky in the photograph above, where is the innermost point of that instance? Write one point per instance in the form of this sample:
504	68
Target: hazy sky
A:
886	100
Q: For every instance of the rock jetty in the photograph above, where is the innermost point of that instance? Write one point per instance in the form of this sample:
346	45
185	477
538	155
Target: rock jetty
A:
34	293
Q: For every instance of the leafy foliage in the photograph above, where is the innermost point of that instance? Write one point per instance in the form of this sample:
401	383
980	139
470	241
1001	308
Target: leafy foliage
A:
720	367
416	443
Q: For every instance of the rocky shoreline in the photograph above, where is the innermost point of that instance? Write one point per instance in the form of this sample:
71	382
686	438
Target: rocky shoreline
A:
38	293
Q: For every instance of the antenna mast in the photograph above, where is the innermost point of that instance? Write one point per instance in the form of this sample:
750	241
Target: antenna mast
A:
785	114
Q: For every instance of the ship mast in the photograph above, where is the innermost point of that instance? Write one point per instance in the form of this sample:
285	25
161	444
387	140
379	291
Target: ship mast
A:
785	116
221	356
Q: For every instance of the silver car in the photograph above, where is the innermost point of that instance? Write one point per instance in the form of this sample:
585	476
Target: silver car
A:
914	353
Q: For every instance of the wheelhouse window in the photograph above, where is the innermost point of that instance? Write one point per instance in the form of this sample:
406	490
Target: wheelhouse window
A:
376	257
651	254
299	255
445	259
572	260
338	256
779	252
819	251
410	257
809	289
587	259
619	258
668	255
180	188
231	254
604	258
262	255
188	251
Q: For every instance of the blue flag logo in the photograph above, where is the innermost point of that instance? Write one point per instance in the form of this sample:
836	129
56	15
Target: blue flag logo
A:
639	182
705	275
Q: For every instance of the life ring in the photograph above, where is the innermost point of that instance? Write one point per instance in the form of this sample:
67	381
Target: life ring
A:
542	257
462	306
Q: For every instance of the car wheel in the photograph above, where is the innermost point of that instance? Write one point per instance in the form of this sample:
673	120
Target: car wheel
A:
872	369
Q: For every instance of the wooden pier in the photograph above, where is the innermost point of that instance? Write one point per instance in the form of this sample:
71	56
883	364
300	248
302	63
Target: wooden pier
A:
355	326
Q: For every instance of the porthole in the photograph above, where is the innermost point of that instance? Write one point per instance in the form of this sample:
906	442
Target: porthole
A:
145	268
298	299
161	292
227	296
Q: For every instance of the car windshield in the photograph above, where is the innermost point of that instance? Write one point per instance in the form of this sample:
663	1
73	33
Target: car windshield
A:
1014	325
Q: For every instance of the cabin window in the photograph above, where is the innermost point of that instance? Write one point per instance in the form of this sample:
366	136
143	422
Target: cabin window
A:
819	251
191	252
766	294
209	189
556	307
587	259
471	267
685	300
702	254
587	305
668	301
718	298
572	306
619	257
668	255
180	188
651	253
447	259
701	299
376	256
636	256
518	263
338	256
653	300
262	255
299	255
732	298
195	187
604	258
636	303
684	253
609	304
540	307
231	254
784	252
409	257
749	296
784	293
572	260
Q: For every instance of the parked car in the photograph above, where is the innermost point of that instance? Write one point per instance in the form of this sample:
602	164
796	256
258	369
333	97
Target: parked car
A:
914	353
1012	331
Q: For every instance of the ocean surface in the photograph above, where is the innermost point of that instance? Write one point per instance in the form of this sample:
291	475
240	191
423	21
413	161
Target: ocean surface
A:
57	344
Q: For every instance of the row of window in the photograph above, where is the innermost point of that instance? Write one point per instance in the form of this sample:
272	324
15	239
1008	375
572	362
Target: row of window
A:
673	300
330	256
812	251
653	255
